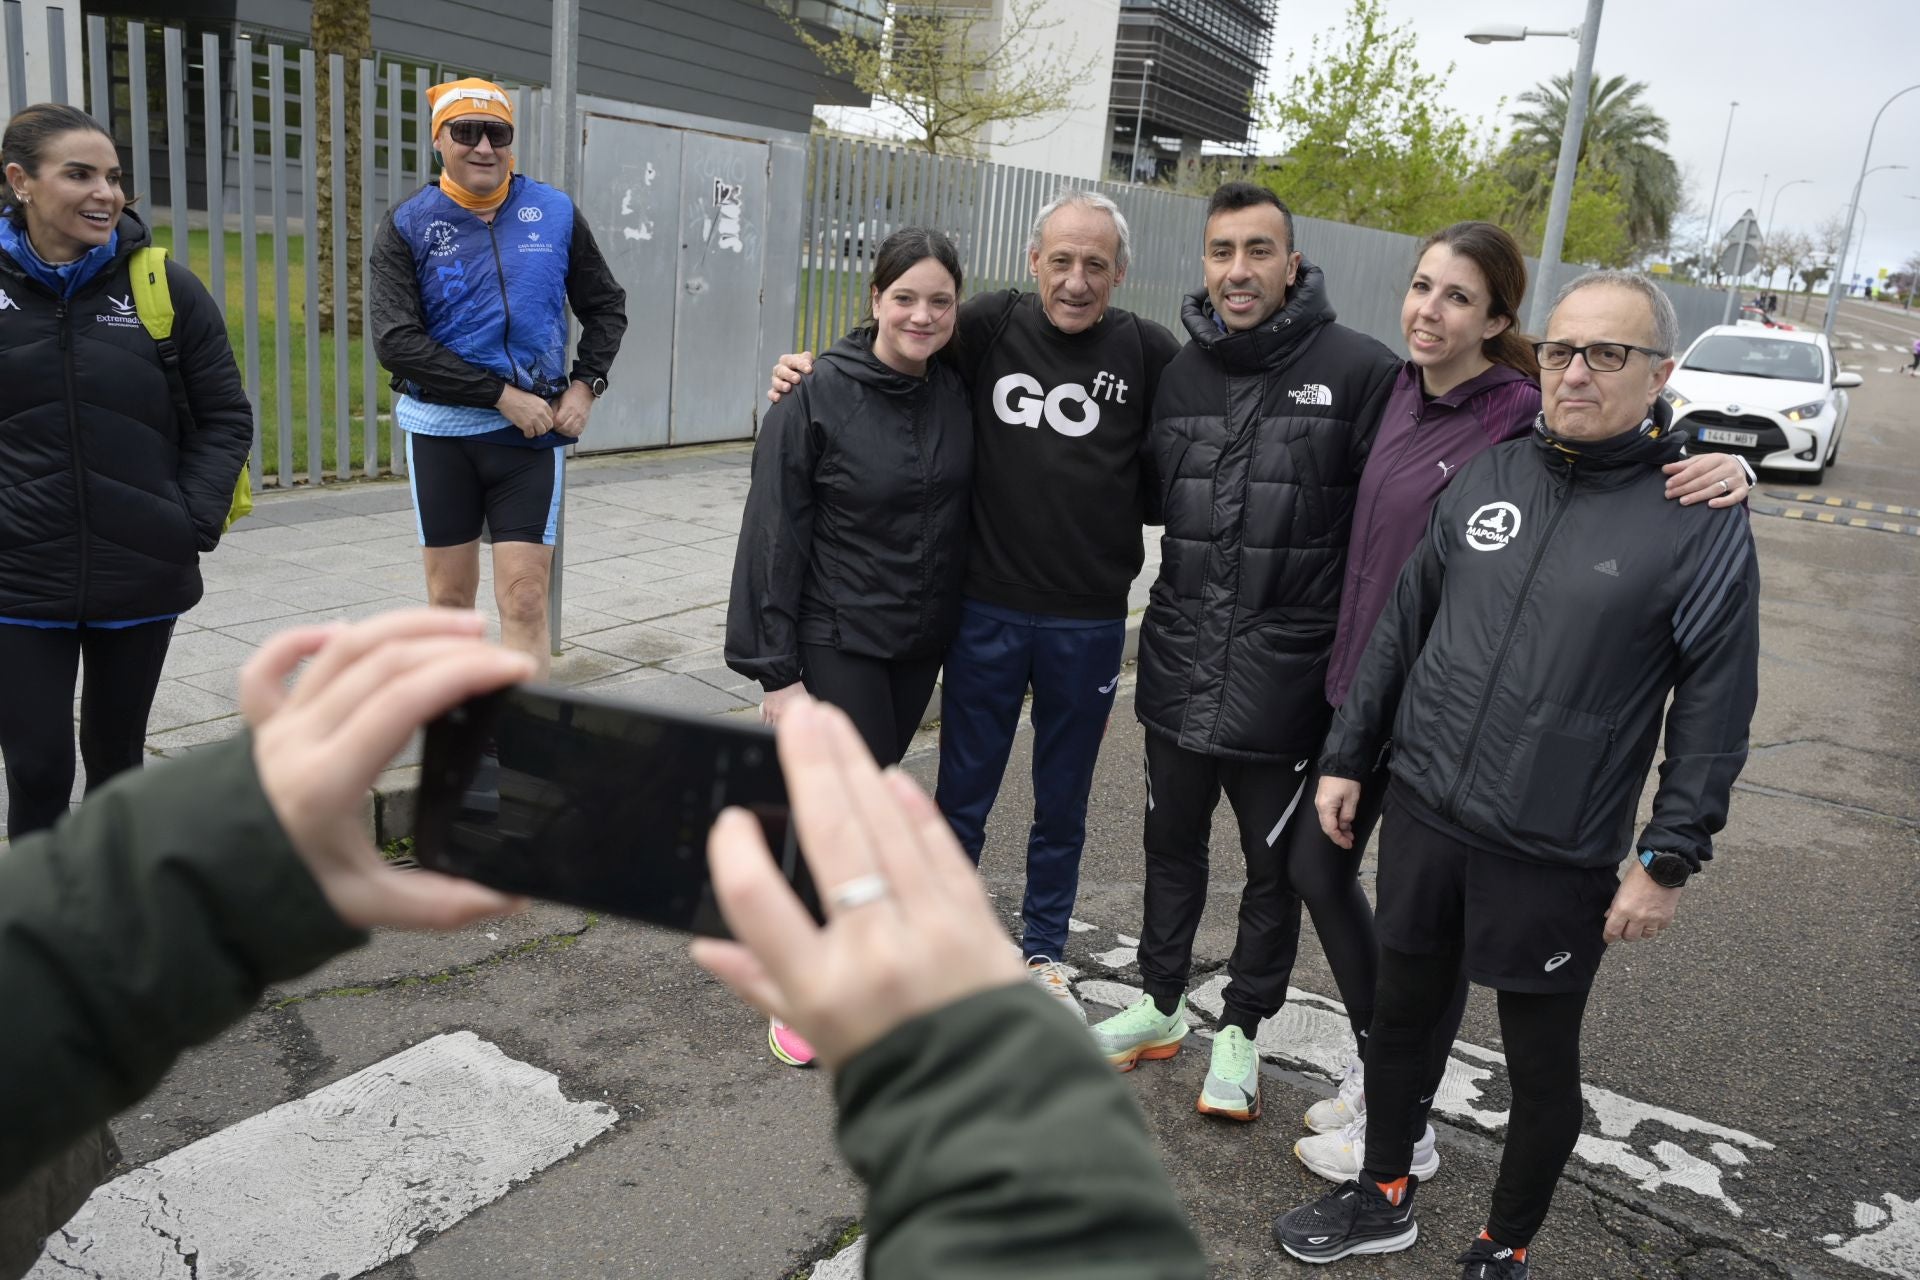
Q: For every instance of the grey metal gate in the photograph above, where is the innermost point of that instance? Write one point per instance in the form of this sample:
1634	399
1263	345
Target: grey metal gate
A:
630	184
717	373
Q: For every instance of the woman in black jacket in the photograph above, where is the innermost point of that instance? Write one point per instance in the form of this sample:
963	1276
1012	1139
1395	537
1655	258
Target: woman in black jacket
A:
846	584
106	500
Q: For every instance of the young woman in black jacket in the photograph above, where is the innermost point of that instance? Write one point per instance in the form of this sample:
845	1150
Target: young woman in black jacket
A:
853	546
106	500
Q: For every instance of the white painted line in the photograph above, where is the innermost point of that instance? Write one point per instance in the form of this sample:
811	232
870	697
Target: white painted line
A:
1118	958
1079	926
1879	346
338	1182
1885	369
1893	1246
848	1264
1311	1031
1859	346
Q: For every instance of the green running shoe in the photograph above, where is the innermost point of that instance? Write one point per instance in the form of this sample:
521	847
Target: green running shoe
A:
1141	1031
1233	1080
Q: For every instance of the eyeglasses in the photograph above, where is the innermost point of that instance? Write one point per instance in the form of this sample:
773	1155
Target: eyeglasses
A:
469	132
1601	357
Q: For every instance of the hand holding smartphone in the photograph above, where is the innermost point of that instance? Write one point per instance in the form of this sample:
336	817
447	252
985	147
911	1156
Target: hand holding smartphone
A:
556	794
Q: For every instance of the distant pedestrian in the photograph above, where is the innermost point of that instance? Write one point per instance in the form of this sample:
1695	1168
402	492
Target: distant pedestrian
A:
1913	370
470	314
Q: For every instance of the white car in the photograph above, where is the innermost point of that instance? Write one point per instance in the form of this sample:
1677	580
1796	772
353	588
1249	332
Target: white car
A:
1773	396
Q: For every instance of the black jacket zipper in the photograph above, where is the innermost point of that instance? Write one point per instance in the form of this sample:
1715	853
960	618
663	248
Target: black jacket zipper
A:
1467	762
74	452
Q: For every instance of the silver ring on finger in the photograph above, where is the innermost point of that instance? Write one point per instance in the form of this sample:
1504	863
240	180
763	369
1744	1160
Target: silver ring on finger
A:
1724	486
859	891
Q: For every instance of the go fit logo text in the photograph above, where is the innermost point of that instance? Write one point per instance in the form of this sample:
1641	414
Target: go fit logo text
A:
1070	409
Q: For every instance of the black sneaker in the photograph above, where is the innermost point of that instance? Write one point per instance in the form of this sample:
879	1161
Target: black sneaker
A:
1353	1218
1485	1260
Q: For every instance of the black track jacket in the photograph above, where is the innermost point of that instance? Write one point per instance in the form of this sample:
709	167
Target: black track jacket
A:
1532	640
1255	452
855	529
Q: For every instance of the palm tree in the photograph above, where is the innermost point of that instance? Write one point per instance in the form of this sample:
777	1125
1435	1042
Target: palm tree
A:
1620	139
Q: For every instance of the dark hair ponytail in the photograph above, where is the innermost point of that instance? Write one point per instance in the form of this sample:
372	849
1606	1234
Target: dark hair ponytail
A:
1497	255
899	253
29	133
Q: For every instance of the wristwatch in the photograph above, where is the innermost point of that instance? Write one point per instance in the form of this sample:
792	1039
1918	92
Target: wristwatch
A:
1668	870
598	386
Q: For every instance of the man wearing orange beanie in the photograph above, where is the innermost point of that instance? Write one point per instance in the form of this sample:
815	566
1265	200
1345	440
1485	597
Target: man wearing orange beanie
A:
472	278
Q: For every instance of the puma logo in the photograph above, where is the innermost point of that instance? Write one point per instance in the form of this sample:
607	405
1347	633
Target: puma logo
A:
1447	471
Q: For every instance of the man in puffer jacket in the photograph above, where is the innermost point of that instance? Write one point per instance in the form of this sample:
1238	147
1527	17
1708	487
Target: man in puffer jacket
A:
1260	427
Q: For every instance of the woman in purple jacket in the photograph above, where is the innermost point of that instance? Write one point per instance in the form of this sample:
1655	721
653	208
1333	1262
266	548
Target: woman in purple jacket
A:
1470	382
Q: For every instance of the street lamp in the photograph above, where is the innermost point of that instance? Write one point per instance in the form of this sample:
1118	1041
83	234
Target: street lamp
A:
1713	201
1833	296
1862	248
1776	209
1712	244
1139	114
1588	34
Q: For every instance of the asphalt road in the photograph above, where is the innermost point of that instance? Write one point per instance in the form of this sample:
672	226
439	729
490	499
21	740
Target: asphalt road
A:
1782	1009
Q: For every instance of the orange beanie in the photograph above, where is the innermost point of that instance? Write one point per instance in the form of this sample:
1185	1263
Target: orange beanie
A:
469	97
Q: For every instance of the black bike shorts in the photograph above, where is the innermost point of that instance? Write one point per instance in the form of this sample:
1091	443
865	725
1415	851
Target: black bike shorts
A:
1518	925
459	481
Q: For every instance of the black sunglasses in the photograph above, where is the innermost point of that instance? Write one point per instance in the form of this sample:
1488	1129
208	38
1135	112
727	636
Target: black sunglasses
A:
469	132
1601	357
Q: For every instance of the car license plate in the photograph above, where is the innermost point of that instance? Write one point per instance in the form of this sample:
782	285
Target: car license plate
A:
1739	439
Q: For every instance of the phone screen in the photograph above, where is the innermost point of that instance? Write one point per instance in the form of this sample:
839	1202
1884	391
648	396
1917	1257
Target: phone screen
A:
559	795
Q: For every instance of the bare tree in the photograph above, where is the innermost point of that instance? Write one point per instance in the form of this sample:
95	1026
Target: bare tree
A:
952	70
1826	243
344	27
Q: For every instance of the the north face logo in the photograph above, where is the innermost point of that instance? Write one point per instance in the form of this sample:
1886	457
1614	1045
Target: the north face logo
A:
1312	393
1493	526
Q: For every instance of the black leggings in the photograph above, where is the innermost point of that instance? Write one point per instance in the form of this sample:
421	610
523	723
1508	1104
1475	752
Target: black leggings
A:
122	667
884	697
1542	1040
1327	879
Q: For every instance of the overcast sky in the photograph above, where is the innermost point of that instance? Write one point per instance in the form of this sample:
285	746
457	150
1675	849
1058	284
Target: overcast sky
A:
1808	74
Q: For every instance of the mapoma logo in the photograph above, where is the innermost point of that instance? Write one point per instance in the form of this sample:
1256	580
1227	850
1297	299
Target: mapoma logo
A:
1493	526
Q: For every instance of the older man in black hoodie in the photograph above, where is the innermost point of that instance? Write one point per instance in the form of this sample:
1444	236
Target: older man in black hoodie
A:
1260	427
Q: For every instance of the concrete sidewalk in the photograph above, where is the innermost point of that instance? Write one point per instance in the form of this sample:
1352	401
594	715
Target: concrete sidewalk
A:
649	561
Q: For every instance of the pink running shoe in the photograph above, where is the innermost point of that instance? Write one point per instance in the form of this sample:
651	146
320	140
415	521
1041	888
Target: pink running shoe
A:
787	1044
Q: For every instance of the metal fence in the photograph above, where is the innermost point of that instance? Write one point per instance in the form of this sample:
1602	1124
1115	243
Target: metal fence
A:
858	191
233	123
221	135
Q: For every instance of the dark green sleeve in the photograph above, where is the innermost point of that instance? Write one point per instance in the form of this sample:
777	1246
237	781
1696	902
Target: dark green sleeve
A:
147	920
995	1142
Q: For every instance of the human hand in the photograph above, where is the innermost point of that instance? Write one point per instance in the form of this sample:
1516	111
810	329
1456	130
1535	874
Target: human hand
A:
1641	909
774	705
1698	479
571	413
1336	801
319	746
928	939
526	411
787	373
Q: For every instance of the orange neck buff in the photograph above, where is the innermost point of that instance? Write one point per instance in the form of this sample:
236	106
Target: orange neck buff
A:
471	202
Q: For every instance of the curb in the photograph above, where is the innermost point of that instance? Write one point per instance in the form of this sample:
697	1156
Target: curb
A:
390	809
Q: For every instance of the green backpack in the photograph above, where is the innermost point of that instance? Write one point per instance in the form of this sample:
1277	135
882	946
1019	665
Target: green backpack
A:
154	301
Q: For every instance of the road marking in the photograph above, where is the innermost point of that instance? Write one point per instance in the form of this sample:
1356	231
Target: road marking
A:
1827	517
1892	1245
1879	346
1312	1031
1859	346
848	1264
1886	369
338	1182
1828	500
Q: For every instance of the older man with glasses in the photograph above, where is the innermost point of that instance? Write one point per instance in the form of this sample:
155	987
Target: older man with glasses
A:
472	278
1521	672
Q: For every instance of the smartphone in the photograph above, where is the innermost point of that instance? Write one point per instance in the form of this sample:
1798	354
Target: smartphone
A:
556	794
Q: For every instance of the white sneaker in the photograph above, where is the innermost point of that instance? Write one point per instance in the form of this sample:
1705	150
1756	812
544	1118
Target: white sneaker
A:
1337	1156
1052	977
1331	1115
